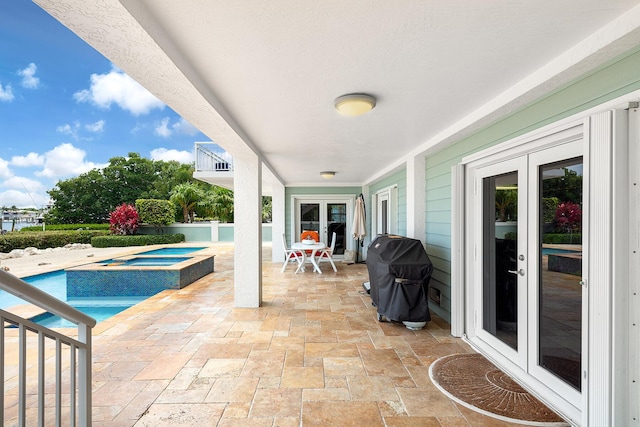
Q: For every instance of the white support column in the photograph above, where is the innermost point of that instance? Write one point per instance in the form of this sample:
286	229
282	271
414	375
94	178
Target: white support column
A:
248	231
598	367
277	222
457	251
215	231
416	198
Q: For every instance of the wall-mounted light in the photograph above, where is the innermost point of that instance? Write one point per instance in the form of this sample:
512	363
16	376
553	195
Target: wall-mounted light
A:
355	104
327	174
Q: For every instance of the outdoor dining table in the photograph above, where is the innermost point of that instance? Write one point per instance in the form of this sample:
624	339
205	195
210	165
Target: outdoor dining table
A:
314	248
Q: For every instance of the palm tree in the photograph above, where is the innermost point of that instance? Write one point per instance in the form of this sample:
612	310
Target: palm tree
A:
218	204
186	195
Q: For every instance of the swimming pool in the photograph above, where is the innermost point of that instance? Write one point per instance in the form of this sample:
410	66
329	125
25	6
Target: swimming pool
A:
55	284
145	261
99	313
107	287
172	251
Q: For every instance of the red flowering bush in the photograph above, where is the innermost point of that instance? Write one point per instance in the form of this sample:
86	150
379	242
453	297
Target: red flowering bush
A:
124	220
568	216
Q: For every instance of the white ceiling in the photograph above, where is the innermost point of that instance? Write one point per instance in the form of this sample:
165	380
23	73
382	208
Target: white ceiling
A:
262	75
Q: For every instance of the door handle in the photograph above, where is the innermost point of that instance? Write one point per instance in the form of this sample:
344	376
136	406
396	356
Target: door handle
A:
520	272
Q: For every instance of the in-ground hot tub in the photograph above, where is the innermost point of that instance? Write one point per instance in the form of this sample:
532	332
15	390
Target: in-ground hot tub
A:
136	275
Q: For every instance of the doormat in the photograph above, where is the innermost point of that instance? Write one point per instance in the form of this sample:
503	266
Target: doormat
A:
474	382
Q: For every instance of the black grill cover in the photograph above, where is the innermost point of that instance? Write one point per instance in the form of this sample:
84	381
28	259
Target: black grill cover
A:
399	274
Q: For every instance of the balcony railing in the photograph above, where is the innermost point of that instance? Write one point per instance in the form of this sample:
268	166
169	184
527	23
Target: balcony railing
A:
210	161
35	360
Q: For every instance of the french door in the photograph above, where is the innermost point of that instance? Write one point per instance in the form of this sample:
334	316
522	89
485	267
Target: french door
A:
326	217
524	213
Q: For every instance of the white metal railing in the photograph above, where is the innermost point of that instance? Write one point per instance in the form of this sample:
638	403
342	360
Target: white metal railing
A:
210	161
28	352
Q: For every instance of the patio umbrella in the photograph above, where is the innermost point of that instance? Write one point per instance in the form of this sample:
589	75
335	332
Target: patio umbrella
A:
359	228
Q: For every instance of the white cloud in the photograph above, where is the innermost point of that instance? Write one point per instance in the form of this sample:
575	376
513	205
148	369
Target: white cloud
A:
22	199
95	127
171	154
67	129
22	183
162	129
117	87
6	94
5	172
29	80
31	159
184	127
66	160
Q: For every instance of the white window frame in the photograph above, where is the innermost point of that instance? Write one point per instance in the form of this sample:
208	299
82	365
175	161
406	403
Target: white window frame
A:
391	195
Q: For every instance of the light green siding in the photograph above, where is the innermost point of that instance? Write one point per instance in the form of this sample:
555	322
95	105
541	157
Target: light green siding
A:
616	79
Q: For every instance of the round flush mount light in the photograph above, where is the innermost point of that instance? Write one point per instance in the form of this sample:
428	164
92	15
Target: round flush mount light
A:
327	174
355	104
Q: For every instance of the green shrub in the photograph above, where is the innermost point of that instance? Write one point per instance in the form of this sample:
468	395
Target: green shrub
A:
46	239
552	238
63	227
136	240
155	212
562	238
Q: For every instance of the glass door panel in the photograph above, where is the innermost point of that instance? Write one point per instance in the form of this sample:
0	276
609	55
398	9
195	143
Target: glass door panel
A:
500	244
309	217
337	223
500	218
560	270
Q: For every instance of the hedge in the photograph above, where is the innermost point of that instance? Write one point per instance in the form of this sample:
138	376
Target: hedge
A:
553	238
155	212
46	239
64	227
136	240
564	238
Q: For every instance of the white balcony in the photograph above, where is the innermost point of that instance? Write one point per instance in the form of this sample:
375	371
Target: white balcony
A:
213	167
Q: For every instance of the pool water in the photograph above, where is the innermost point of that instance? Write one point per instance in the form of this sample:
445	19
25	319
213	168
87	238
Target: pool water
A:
145	262
552	251
55	284
172	251
99	313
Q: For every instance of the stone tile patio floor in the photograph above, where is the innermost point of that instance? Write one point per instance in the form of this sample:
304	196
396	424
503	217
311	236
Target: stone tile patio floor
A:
313	354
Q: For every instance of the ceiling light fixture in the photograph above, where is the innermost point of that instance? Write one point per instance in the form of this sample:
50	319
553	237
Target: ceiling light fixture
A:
327	174
355	104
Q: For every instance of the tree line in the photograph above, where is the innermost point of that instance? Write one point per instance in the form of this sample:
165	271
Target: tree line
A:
92	196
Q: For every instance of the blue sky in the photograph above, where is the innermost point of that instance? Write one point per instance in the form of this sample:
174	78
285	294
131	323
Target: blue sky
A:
65	109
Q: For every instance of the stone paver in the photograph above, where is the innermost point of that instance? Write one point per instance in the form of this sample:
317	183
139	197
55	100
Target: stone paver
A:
312	354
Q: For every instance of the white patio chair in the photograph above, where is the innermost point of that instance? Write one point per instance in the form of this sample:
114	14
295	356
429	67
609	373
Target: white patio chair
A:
326	255
291	255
